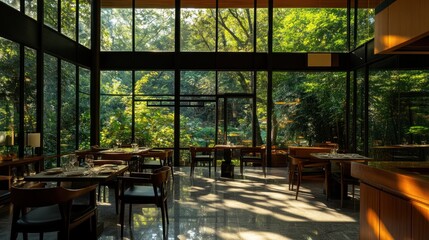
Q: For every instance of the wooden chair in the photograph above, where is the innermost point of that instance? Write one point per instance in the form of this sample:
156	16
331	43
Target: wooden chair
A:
141	188
113	183
345	178
52	210
202	154
300	158
253	155
5	194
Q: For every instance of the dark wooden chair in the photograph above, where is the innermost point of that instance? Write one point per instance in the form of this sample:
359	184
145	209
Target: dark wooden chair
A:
204	155
344	178
52	210
5	194
253	155
143	188
111	184
301	159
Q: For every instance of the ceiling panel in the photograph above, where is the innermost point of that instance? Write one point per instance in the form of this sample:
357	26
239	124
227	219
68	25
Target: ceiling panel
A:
236	3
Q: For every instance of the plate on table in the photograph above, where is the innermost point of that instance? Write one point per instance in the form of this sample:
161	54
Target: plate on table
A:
73	173
109	165
53	171
106	171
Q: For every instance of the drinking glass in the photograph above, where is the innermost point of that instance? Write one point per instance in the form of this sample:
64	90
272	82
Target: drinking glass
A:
135	147
118	143
73	161
89	160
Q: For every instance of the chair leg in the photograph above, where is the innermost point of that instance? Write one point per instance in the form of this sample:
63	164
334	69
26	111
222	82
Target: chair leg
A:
116	196
130	214
121	217
210	169
342	194
353	195
163	220
298	182
99	193
241	167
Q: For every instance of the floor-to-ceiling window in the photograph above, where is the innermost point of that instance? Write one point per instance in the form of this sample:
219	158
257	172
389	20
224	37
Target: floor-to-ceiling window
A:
308	108
9	97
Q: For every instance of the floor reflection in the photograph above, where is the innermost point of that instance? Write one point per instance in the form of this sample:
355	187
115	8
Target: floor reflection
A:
252	207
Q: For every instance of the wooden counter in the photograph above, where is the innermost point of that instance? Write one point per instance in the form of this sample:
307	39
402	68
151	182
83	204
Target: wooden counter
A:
394	199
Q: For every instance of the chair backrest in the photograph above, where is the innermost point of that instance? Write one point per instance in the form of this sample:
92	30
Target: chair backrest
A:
39	197
114	156
160	178
327	145
254	151
201	151
304	152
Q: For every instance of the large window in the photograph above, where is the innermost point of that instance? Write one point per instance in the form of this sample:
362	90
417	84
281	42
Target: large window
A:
50	103
84	24
51	13
116	107
398	107
309	29
116	28
30	90
84	108
68	108
198	29
308	107
9	95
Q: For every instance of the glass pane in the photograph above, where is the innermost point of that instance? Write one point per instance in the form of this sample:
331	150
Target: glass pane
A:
68	107
9	96
198	29
154	125
13	3
235	82
198	125
51	13
85	23
198	83
309	29
116	28
366	20
154	30
50	104
30	90
261	108
262	29
31	8
84	108
308	108
399	113
68	18
235	121
235	31
154	83
115	107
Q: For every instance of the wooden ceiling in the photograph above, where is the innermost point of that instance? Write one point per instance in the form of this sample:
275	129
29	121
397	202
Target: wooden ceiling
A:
237	3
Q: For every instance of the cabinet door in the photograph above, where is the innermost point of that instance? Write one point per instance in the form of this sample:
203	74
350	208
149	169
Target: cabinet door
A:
420	221
369	212
395	217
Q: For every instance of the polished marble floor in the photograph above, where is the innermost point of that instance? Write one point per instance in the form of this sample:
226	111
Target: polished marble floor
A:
250	207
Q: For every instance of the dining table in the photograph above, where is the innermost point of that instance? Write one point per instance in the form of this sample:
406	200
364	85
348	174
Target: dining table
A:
227	168
103	173
79	176
336	160
401	152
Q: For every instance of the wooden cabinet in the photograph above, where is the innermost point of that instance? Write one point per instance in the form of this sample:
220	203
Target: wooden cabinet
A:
369	212
400	25
384	215
395	217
